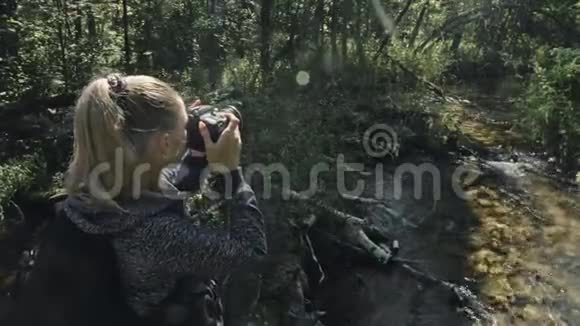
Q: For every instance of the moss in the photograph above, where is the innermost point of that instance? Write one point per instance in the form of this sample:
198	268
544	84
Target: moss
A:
18	175
498	290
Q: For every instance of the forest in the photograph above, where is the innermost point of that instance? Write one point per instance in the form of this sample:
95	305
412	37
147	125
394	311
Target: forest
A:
482	94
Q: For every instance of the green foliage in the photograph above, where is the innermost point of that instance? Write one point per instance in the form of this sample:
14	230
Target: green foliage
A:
199	46
56	185
551	103
431	63
243	73
17	175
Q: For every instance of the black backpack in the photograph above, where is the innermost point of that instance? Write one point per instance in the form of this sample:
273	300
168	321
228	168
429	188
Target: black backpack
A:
76	281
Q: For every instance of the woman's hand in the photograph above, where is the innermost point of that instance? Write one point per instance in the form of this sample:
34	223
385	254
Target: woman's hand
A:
223	155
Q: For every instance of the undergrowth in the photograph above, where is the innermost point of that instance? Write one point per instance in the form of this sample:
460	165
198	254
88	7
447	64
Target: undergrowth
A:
18	175
550	106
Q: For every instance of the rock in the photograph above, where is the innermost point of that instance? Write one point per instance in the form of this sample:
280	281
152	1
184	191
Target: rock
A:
472	193
495	244
522	287
496	269
498	290
486	262
485	202
521	234
501	210
489	193
471	176
520	300
480	269
513	260
487	256
531	313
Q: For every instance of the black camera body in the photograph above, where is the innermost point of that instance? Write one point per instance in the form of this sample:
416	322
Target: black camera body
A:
211	117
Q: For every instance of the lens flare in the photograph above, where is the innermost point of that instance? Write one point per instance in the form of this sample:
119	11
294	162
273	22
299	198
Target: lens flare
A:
302	78
384	18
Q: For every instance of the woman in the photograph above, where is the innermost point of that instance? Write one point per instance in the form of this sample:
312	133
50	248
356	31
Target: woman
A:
125	197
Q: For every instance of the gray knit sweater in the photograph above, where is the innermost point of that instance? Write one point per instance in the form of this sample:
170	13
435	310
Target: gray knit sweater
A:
156	243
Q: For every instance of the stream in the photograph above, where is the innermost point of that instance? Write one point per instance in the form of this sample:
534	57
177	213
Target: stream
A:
513	238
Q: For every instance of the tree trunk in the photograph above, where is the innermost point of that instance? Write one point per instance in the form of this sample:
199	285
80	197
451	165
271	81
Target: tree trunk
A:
126	37
368	20
8	34
333	31
68	29
318	23
63	56
400	16
294	28
456	43
415	31
358	37
79	21
91	23
347	13
344	43
451	23
239	45
9	48
212	50
62	40
265	38
145	55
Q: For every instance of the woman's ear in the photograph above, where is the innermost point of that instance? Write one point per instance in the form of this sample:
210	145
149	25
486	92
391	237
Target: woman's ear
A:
159	147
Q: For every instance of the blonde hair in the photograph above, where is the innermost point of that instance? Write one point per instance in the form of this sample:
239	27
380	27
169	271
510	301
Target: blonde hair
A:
114	118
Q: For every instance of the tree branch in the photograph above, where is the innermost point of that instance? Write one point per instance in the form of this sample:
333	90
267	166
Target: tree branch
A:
387	37
461	19
436	89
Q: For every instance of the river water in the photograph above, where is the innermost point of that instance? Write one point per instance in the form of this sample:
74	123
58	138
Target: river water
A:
512	237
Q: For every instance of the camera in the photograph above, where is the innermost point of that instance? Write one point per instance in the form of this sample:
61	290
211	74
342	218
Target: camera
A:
215	122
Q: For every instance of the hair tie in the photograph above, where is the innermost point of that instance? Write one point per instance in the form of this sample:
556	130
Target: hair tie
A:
117	84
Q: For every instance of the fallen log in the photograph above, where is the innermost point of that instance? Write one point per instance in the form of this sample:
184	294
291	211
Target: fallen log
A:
466	299
355	229
36	105
434	88
355	236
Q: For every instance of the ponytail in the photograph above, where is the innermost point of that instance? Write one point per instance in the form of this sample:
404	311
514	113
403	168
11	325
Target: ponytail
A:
114	119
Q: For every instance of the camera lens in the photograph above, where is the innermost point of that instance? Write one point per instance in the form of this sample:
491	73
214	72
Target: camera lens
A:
215	122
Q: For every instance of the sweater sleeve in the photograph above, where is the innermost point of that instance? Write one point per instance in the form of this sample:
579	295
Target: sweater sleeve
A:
187	175
181	247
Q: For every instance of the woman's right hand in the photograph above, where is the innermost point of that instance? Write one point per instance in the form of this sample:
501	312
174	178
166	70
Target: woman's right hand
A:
224	154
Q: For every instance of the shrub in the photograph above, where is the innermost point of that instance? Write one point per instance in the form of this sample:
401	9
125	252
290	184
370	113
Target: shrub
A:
16	175
430	64
551	103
